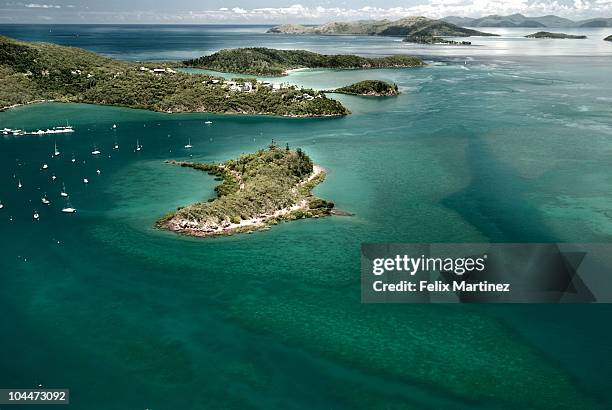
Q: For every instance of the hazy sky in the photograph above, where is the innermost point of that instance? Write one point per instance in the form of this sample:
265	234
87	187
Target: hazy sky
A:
280	11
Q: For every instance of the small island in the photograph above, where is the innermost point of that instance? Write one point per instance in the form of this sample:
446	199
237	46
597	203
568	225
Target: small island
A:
435	40
38	72
369	88
258	190
271	62
546	34
609	38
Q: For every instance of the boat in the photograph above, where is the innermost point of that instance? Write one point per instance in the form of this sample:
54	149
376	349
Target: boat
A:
207	122
45	166
114	125
54	177
68	210
36	216
1	205
64	193
138	146
98	172
19	184
73	159
85	181
189	146
55	151
45	201
95	151
116	146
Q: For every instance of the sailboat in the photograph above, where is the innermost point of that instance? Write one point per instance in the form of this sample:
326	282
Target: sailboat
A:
45	201
114	125
116	146
207	122
64	193
85	181
138	146
1	205
19	184
95	151
45	166
189	146
55	150
36	216
68	209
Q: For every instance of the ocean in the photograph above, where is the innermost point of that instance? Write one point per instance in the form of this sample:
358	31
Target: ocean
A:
504	141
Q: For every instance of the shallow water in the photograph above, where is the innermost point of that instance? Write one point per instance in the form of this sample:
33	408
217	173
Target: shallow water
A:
490	143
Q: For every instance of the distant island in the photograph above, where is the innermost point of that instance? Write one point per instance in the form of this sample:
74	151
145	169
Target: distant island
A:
609	38
435	40
519	20
546	34
35	72
271	62
405	27
370	88
258	190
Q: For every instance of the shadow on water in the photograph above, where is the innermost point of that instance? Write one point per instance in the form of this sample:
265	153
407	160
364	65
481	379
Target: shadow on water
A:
494	201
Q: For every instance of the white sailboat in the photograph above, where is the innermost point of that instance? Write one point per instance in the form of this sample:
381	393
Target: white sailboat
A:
1	205
68	209
55	150
19	184
207	122
36	216
64	193
96	151
138	146
189	146
45	201
98	172
85	181
45	166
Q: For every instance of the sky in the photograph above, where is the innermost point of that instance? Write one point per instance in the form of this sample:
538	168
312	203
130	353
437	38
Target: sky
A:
281	11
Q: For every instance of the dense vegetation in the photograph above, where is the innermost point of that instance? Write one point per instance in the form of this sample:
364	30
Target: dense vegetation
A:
370	88
609	38
35	71
267	61
408	26
255	185
435	40
546	34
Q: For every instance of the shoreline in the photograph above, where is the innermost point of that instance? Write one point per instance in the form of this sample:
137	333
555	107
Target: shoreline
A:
260	222
9	107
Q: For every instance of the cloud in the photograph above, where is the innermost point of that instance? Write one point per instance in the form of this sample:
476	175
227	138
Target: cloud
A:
298	13
42	6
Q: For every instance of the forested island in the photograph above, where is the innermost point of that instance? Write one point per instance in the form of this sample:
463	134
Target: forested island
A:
370	88
609	38
272	62
417	39
258	190
35	72
408	26
546	34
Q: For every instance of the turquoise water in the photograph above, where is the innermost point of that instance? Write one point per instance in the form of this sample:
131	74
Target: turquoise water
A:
494	143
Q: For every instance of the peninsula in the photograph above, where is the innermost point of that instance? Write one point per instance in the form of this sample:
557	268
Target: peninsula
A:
546	34
408	26
35	72
272	62
609	38
258	190
370	88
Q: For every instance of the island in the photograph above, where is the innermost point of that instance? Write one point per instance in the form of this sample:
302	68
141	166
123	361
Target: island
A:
408	26
435	40
547	34
609	38
369	88
271	62
37	72
258	190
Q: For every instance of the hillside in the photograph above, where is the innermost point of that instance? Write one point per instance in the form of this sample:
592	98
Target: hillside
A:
547	34
258	189
272	62
31	72
408	26
370	88
609	38
519	20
